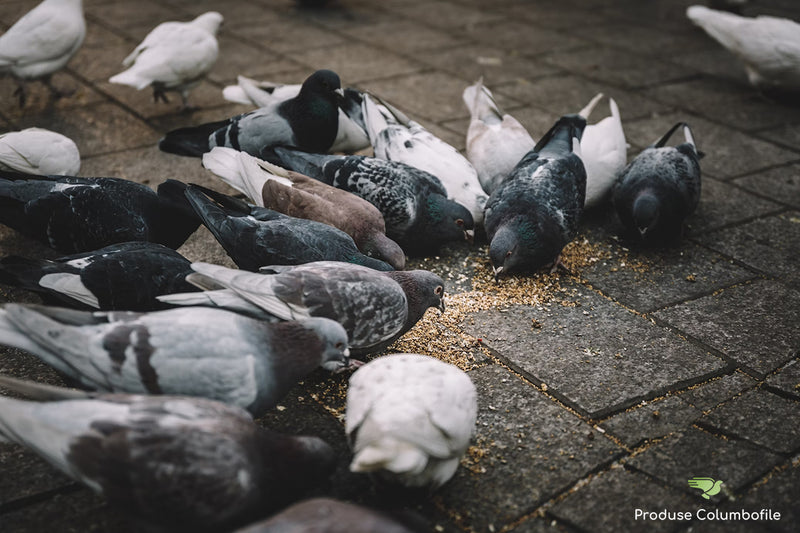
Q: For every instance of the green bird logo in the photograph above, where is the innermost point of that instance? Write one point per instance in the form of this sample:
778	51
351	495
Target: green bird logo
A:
708	485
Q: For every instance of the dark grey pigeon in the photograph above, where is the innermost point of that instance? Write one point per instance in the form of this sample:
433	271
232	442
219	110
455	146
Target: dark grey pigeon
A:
175	463
76	215
193	351
120	277
534	213
308	121
256	236
325	515
660	188
414	204
375	308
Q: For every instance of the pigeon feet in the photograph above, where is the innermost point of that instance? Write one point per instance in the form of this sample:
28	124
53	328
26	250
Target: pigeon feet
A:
20	94
559	264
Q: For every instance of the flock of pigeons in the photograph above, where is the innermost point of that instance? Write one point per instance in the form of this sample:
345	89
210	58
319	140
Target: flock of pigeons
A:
181	356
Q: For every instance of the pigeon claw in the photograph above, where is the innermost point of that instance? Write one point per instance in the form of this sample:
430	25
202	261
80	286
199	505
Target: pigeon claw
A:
469	235
497	271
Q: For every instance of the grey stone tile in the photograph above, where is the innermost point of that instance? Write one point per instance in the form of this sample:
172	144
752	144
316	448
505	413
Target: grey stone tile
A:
609	65
728	153
780	184
372	64
658	41
404	37
40	100
647	279
100	62
722	204
170	117
716	61
787	135
448	16
429	95
755	324
97	129
651	421
124	15
236	14
204	96
238	58
771	245
718	390
286	36
624	492
752	416
594	355
151	166
18	463
519	37
787	379
693	453
532	450
569	93
778	493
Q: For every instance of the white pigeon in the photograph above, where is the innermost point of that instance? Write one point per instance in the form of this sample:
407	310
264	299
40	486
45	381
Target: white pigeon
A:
604	152
39	151
42	42
410	418
769	47
496	141
175	56
396	138
350	137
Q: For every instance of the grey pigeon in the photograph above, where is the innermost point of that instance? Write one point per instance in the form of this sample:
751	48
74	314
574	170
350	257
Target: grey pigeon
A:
193	351
375	308
325	515
534	212
120	277
350	137
309	122
660	188
297	195
76	215
410	418
174	56
414	204
256	236
172	462
42	42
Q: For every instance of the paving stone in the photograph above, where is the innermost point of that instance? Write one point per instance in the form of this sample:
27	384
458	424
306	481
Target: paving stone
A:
569	17
78	511
728	153
542	525
787	135
716	61
651	421
780	184
569	93
606	64
692	453
771	245
17	463
753	415
404	37
787	379
288	35
247	59
236	14
624	492
204	96
372	64
755	324
718	99
647	279
98	129
606	360
123	15
40	100
718	390
447	16
151	166
649	40
722	204
101	57
517	36
525	459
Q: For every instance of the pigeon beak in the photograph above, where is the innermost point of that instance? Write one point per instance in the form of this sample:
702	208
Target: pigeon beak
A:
340	93
642	232
469	235
348	365
441	305
497	271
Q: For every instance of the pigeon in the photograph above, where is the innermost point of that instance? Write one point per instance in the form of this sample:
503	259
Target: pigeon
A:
769	47
42	42
534	212
119	277
297	195
308	121
39	151
414	204
397	138
325	515
375	308
74	215
604	152
256	236
660	188
409	419
174	56
192	351
176	463
350	137
496	141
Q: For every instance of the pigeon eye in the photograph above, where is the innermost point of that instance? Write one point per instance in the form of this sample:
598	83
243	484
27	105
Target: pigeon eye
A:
339	345
460	222
439	290
508	253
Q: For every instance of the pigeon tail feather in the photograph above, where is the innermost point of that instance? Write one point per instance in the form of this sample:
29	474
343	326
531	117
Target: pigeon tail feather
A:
586	111
390	454
41	392
131	78
192	141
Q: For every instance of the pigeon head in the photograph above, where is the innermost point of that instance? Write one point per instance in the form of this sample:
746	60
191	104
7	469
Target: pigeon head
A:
335	353
565	134
646	210
380	246
323	82
521	245
210	21
445	220
423	289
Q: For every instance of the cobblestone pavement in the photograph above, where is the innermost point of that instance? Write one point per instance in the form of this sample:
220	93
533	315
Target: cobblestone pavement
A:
601	391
